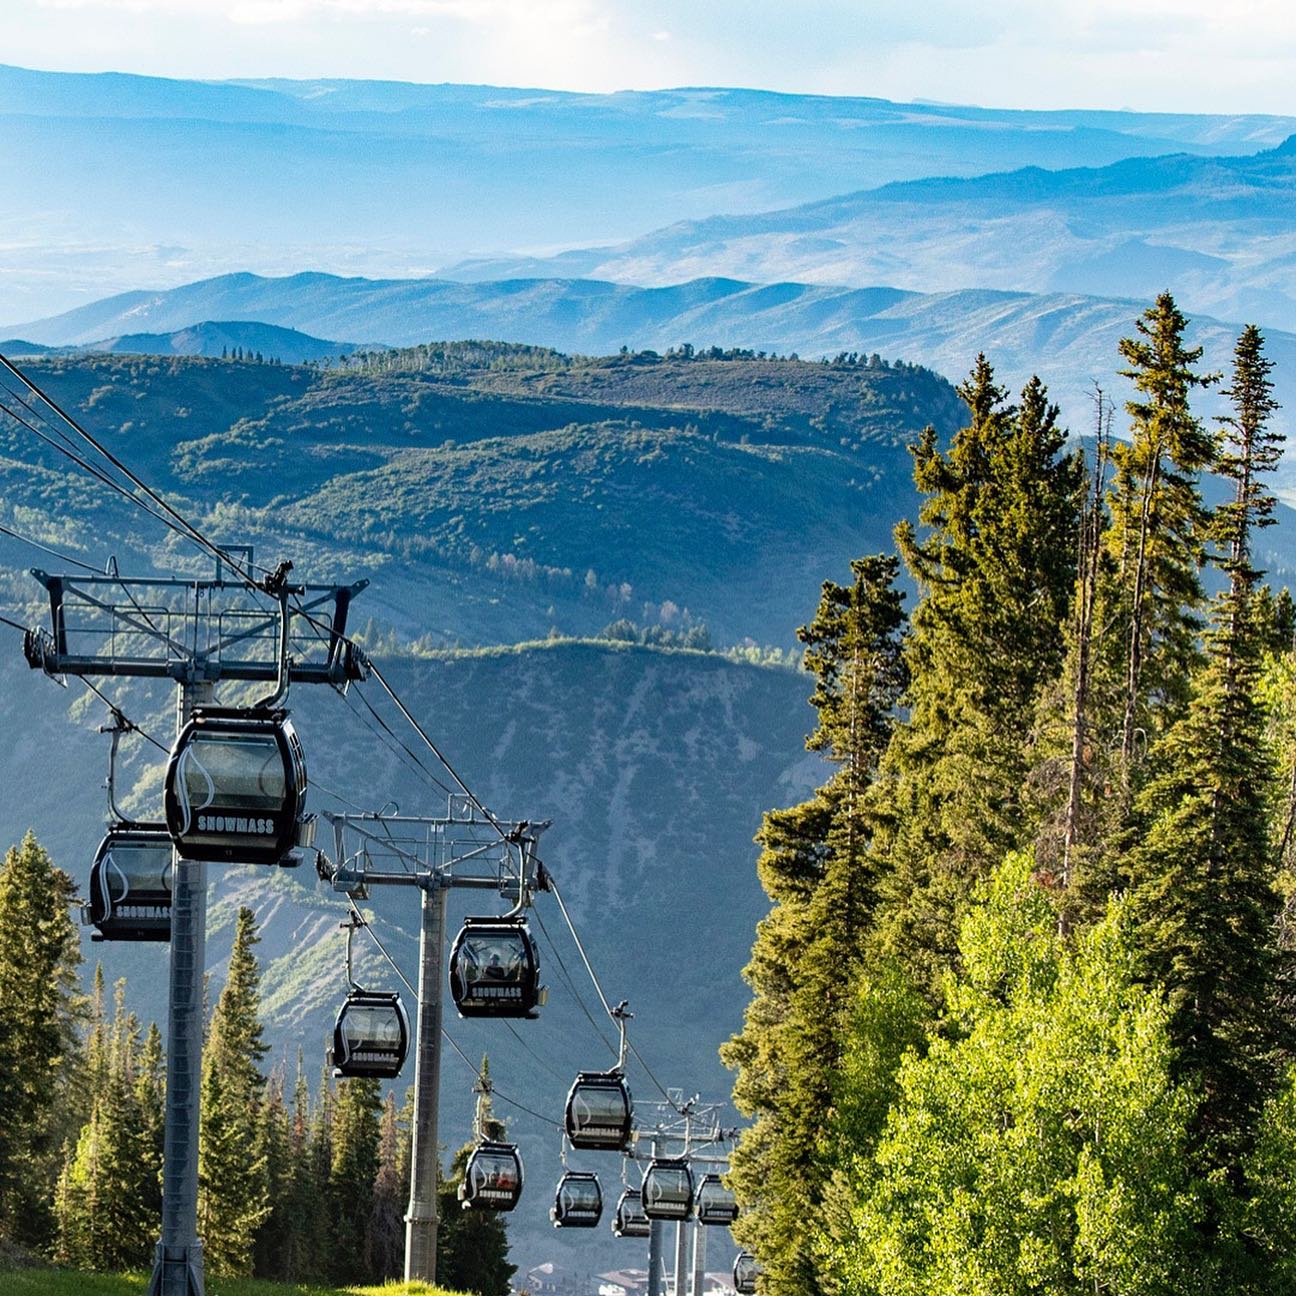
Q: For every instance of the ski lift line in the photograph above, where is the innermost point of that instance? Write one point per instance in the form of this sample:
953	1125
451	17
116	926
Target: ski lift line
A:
495	1092
598	989
436	782
117	711
382	949
99	475
65	447
337	796
92	469
512	1030
394	744
436	751
45	549
571	927
184	524
13	624
571	985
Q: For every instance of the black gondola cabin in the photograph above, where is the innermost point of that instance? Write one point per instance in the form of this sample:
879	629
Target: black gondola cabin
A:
495	969
492	1178
370	1036
578	1202
715	1203
745	1273
235	788
130	885
600	1113
630	1220
667	1191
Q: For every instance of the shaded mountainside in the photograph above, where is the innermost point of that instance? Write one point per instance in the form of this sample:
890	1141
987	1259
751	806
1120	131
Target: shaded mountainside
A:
1069	339
655	767
1218	230
388	178
506	491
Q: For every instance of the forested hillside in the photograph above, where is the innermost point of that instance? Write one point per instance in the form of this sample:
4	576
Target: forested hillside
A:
495	493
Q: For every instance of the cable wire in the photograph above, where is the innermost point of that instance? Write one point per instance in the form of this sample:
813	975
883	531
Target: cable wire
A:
184	525
45	549
117	711
445	1034
571	927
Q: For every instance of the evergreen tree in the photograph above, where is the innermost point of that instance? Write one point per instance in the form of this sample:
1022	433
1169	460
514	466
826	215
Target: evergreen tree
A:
1204	869
106	1204
391	1192
352	1174
815	868
307	1240
150	1095
233	1197
1158	521
39	954
996	570
274	1240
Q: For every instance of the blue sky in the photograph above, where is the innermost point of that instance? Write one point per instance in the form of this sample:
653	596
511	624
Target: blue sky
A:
1176	55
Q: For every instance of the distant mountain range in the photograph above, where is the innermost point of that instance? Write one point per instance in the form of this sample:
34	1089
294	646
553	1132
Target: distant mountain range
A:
1220	231
1068	339
386	178
242	338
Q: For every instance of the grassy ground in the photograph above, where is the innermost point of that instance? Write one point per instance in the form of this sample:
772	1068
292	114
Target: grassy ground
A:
62	1282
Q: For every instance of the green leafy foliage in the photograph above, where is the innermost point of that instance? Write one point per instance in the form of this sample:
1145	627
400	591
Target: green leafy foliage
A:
1038	1144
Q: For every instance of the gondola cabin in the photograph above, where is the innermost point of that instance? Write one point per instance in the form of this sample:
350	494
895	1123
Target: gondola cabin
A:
600	1114
667	1191
130	885
370	1036
495	969
745	1273
492	1178
235	788
630	1220
578	1202
715	1203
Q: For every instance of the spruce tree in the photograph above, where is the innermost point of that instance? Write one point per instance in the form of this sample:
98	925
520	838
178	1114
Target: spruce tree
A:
352	1174
1205	870
815	868
1159	523
391	1192
106	1204
274	1239
39	954
995	564
233	1197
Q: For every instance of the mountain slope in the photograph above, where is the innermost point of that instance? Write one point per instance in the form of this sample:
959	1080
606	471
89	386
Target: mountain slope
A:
213	339
501	492
655	768
1069	339
1218	230
392	179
